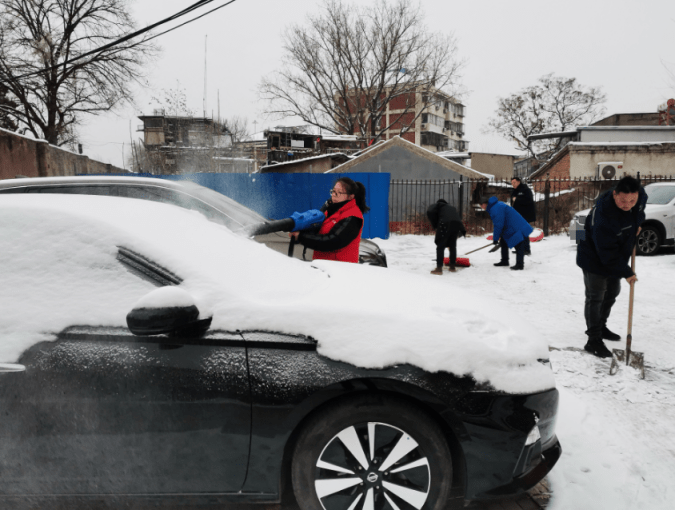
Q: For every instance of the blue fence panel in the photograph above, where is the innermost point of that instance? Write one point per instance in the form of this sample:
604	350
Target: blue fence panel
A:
277	195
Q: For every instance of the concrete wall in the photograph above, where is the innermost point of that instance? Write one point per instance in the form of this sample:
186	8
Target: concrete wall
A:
24	156
648	159
404	164
627	134
499	165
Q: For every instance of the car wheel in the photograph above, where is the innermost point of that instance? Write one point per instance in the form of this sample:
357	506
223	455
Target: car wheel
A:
648	241
375	452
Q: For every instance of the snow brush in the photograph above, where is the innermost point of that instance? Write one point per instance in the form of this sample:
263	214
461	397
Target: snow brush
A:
294	223
633	359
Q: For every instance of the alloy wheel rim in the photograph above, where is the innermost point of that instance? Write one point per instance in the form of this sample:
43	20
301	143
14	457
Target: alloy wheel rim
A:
372	466
647	241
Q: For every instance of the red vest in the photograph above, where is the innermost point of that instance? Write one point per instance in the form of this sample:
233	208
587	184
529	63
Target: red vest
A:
349	253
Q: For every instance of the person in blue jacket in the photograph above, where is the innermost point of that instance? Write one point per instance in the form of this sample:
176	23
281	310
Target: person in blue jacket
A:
510	230
611	230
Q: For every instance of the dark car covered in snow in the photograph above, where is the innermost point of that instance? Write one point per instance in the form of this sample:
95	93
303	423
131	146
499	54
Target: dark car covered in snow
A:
150	356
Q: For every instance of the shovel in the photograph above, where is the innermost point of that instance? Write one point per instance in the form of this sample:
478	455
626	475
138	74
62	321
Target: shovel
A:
633	359
477	249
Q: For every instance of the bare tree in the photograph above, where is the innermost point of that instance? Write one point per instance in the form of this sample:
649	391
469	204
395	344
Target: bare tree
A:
173	102
7	107
555	104
237	127
345	66
38	41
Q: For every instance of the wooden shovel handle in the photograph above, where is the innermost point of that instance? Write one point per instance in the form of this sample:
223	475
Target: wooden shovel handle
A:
629	335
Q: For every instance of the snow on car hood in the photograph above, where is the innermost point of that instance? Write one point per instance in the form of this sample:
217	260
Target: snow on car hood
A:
58	267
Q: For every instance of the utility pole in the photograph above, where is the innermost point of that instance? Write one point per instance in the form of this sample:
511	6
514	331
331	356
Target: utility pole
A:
204	100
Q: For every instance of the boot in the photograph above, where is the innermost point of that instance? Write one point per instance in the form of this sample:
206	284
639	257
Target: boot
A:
597	348
452	268
610	335
502	263
438	270
518	267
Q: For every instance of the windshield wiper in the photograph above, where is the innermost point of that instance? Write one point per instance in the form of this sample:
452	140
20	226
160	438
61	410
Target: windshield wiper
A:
146	269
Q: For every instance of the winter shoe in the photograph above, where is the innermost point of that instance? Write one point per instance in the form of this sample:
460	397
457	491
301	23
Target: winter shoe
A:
517	267
502	263
438	270
452	268
610	335
597	348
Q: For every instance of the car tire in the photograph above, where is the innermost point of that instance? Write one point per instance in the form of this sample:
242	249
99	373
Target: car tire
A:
365	453
648	241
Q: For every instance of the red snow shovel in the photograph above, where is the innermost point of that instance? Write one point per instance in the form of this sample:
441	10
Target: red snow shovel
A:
463	261
633	359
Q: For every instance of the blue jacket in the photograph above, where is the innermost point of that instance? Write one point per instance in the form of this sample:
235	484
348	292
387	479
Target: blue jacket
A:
610	237
508	224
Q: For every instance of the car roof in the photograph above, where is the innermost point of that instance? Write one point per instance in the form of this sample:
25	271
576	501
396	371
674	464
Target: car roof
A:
89	179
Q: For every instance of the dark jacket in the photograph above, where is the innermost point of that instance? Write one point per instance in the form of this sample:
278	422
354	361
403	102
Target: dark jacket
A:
507	223
523	202
610	236
441	213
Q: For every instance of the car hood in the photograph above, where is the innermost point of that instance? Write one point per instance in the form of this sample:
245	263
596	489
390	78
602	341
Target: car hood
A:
60	269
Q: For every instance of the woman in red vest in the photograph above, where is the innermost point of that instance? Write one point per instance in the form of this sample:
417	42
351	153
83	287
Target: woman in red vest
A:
339	236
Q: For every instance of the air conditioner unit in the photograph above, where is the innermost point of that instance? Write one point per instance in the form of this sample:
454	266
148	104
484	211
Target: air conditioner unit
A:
609	169
424	126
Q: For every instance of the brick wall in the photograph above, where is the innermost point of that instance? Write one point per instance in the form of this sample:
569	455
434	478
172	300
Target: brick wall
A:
24	156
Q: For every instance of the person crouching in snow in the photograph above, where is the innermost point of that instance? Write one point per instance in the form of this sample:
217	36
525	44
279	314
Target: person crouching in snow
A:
510	230
448	226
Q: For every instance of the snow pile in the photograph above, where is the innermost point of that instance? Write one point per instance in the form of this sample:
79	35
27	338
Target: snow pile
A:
59	269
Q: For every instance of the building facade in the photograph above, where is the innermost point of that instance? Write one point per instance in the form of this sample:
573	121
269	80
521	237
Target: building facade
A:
438	126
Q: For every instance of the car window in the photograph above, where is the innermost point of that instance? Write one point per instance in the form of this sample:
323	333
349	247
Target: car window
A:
184	200
74	190
660	195
236	212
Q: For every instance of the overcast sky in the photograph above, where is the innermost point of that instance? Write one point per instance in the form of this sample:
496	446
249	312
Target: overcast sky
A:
625	47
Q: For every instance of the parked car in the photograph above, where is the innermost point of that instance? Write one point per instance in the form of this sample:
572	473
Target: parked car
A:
215	206
658	229
149	355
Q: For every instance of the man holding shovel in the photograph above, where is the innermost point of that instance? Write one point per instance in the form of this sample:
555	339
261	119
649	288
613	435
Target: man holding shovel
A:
611	229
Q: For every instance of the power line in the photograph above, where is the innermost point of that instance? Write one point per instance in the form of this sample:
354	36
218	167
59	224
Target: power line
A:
125	38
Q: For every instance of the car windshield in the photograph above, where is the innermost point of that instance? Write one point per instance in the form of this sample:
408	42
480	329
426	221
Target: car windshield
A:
236	215
660	195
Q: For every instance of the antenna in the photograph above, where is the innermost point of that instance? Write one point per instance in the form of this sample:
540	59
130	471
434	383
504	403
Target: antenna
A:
204	100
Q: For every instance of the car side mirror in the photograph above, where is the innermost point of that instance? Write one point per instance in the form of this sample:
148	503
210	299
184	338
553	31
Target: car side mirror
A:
167	310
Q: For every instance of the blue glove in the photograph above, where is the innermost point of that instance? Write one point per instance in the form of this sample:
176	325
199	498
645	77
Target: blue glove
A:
306	219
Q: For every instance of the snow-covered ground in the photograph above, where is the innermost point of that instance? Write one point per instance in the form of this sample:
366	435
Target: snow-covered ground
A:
617	432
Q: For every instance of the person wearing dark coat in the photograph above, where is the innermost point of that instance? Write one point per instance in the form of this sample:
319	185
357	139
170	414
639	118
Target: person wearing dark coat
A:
445	220
510	230
611	230
523	202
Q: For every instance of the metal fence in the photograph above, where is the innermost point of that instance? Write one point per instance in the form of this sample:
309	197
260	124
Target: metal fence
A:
556	201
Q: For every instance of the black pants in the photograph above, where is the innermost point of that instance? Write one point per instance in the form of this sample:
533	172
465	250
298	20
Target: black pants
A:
520	252
601	293
446	237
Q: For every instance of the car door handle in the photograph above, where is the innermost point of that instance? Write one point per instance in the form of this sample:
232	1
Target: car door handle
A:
11	367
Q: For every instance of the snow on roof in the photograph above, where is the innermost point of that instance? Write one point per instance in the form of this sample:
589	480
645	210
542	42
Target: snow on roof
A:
60	269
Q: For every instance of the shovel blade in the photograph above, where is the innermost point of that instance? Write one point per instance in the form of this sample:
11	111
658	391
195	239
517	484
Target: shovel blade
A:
637	361
618	358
